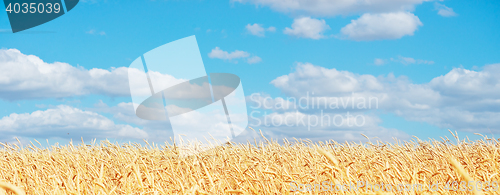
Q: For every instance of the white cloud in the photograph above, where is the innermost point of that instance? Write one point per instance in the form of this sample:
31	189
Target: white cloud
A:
295	117
255	29
462	100
462	82
65	122
124	112
258	30
408	60
254	59
265	101
224	55
321	127
335	7
29	77
233	56
444	11
381	19
378	61
323	81
382	26
419	61
194	124
307	27
94	32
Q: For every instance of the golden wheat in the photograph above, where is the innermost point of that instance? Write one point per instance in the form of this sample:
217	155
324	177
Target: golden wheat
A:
252	168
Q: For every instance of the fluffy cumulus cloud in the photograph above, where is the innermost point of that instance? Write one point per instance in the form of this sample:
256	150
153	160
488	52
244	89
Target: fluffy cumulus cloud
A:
318	127
208	121
380	19
307	27
29	77
233	56
64	122
258	29
334	7
320	104
323	81
465	83
444	11
305	118
381	26
124	112
462	100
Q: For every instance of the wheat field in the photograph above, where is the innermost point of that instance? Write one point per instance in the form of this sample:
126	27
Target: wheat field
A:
264	167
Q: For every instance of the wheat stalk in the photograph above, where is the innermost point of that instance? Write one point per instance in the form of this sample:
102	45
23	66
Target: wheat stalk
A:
265	167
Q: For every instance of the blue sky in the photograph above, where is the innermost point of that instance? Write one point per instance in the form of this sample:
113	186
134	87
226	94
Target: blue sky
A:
434	62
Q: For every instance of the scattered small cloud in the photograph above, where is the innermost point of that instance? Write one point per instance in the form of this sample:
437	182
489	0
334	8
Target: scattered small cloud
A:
408	60
307	27
444	11
380	19
402	60
258	29
233	56
330	8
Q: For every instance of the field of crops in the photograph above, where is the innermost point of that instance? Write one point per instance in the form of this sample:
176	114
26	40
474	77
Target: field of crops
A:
265	167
